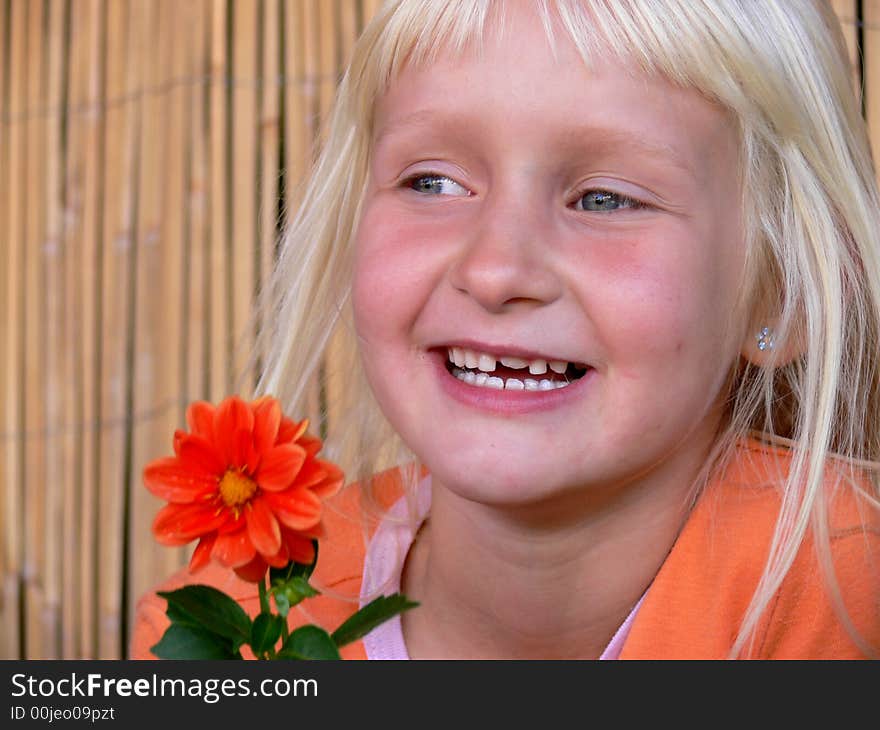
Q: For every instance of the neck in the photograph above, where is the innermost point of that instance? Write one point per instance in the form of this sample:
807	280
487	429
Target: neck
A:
549	580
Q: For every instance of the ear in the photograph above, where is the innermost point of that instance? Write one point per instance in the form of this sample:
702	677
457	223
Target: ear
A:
764	345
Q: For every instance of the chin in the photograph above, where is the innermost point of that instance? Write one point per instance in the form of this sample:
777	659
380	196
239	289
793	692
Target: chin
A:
492	480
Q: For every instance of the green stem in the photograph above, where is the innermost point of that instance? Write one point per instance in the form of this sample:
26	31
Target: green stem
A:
264	597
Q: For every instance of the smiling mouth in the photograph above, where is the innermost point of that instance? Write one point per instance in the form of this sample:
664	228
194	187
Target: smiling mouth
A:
511	373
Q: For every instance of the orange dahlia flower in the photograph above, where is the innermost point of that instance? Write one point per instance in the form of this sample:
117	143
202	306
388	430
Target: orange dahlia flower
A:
246	482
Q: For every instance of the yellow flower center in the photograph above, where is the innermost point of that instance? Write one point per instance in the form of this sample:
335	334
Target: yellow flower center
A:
236	488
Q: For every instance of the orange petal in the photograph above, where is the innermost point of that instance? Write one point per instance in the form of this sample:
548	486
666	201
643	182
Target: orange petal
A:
280	467
297	509
262	527
234	549
202	554
199	453
170	480
299	548
242	444
254	571
200	418
235	521
332	482
312	444
267	419
178	437
311	474
232	416
290	431
185	522
253	457
280	559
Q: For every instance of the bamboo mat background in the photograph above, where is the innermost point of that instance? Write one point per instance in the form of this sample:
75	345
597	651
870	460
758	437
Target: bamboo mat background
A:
148	150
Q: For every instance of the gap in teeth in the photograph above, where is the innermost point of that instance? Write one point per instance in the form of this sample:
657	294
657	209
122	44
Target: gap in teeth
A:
464	358
484	380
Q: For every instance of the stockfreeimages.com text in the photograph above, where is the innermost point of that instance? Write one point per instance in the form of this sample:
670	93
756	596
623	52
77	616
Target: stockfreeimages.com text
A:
210	690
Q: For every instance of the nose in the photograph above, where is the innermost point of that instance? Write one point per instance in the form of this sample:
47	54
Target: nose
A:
507	260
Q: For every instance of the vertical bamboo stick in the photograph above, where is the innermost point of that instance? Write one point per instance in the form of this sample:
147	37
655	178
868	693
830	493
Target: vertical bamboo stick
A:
270	131
87	19
197	182
337	364
60	591
296	133
75	321
153	343
371	7
308	42
8	604
299	95
41	624
847	14
119	141
871	82
139	30
75	559
220	382
240	285
13	417
349	29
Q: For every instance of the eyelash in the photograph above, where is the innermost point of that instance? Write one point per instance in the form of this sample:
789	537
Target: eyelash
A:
624	201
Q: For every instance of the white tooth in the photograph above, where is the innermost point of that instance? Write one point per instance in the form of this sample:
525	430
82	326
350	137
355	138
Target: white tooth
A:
486	364
537	367
531	384
513	384
458	356
469	377
457	371
480	378
514	362
561	384
557	366
496	383
546	385
470	359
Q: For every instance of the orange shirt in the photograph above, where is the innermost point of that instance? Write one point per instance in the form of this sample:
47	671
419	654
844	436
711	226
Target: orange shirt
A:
692	609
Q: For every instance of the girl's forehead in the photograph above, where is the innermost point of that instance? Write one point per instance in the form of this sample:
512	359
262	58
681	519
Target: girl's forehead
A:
526	56
635	38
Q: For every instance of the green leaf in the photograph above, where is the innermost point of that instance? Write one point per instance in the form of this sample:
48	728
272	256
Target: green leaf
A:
265	632
282	575
309	642
213	610
178	616
190	642
370	616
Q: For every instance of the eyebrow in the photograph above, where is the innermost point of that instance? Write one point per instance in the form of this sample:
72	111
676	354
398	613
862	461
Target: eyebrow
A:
595	134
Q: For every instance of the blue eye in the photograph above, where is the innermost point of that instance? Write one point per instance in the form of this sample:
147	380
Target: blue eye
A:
604	200
436	185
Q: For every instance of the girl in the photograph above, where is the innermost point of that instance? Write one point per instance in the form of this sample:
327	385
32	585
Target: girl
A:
611	271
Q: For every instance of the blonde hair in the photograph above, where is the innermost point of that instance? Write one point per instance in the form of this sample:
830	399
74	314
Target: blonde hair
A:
810	212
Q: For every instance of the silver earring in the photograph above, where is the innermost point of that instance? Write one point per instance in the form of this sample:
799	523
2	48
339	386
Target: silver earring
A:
765	339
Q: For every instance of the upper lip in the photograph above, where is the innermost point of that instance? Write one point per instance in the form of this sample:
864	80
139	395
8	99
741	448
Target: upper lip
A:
502	350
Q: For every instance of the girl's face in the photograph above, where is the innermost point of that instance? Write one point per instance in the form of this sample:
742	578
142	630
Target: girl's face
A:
527	212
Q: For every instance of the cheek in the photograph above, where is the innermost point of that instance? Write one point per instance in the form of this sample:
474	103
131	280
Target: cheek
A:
657	301
399	262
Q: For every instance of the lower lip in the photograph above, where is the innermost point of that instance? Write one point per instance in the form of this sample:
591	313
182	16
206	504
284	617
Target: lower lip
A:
507	402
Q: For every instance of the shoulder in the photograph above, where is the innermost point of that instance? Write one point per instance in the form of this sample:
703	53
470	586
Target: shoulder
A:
696	603
349	520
